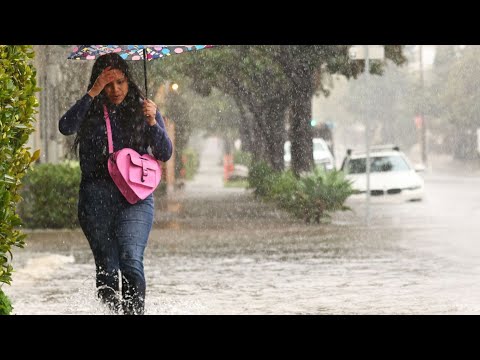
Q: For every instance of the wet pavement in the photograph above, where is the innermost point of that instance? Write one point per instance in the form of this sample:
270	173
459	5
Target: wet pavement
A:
216	250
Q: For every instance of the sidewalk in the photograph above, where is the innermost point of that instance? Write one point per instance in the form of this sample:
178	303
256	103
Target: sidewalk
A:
445	164
208	182
205	197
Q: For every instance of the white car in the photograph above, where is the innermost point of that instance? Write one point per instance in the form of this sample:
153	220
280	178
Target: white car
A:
322	155
391	174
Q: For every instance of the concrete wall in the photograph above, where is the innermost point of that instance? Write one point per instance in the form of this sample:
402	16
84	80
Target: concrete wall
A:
62	82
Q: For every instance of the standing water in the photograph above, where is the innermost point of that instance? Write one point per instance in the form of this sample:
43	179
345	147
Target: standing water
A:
216	250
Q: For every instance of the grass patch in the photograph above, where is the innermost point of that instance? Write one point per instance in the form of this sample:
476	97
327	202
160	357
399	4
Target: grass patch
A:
236	184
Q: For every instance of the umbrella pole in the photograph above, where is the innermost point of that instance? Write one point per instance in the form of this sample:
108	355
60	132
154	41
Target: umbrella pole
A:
145	71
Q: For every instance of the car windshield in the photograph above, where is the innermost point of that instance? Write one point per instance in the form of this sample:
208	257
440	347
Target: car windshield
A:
377	164
318	146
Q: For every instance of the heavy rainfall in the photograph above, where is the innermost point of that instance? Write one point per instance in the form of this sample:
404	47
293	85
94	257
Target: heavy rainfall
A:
299	184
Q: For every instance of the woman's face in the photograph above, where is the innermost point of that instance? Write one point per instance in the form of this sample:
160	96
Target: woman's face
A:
117	90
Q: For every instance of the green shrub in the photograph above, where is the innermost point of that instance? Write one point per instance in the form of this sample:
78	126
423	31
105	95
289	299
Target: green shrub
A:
242	158
17	109
284	191
311	197
5	304
161	189
321	192
191	163
50	196
261	178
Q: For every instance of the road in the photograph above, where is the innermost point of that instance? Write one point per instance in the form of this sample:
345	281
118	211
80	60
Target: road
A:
220	251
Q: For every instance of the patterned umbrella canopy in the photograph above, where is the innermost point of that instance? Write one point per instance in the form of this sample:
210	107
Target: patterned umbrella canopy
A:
132	52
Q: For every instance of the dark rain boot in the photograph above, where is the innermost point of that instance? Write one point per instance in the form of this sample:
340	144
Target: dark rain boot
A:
110	298
108	285
133	301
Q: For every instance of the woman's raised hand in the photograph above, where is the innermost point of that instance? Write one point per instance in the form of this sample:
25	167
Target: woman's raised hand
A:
106	76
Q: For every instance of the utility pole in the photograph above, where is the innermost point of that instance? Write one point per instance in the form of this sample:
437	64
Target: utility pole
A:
423	129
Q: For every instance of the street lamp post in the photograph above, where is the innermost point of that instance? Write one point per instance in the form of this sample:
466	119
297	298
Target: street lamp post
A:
366	53
423	123
367	140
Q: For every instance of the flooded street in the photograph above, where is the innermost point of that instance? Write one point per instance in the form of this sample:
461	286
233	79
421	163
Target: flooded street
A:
217	250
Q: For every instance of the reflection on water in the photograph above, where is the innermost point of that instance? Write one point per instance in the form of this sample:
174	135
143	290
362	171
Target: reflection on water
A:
174	207
263	263
172	224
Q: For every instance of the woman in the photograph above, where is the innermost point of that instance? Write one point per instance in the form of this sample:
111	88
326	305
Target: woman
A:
116	230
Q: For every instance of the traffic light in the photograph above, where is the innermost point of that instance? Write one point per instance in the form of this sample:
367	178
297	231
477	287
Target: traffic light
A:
313	122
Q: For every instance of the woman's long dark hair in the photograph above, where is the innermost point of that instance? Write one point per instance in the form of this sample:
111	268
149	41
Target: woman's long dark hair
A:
130	112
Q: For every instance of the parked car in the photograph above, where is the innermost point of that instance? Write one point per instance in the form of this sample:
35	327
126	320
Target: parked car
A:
391	174
322	155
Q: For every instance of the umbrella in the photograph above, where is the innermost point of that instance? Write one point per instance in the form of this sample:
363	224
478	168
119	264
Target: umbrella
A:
133	52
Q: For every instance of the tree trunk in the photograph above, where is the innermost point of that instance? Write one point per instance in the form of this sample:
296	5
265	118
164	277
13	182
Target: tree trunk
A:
301	134
258	142
275	125
465	144
254	127
247	136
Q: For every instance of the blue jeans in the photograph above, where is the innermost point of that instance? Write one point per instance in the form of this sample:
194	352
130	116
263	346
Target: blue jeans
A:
117	233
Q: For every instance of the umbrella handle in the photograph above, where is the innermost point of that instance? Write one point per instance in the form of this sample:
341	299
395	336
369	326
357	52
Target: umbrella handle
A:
145	70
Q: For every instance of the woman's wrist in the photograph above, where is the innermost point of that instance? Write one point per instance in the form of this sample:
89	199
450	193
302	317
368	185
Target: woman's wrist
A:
94	91
92	94
151	121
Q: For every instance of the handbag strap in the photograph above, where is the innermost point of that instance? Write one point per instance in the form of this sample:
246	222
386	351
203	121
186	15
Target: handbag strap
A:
109	129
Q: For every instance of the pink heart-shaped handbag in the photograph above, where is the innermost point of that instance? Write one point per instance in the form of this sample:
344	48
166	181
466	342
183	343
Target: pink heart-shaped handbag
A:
135	175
